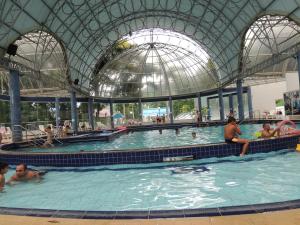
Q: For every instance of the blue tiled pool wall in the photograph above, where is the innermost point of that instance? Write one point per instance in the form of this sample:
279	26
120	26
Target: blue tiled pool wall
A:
80	159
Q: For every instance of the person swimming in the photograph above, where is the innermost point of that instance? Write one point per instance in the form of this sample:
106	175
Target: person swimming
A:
194	135
3	171
267	132
49	141
24	174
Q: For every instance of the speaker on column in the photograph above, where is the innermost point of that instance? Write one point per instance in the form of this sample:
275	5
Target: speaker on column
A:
76	81
12	49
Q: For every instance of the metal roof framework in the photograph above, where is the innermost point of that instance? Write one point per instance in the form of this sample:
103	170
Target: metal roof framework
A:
87	29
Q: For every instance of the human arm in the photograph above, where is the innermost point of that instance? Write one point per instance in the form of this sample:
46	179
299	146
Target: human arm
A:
238	130
2	182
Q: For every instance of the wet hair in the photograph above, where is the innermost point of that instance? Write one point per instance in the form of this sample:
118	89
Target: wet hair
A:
3	165
24	166
231	119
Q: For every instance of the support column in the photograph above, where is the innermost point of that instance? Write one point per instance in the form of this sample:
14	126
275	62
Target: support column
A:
199	106
15	105
111	115
221	104
231	107
171	110
91	112
250	107
208	116
74	111
140	110
239	91
57	112
298	60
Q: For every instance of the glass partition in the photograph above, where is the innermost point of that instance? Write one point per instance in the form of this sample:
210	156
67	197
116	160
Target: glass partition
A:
65	112
126	113
34	114
214	109
4	113
83	115
156	112
184	110
101	115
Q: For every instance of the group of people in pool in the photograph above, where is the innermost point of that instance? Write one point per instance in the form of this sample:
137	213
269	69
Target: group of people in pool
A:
232	132
22	174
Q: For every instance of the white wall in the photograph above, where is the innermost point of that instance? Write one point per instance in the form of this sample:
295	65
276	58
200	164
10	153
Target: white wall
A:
264	96
292	81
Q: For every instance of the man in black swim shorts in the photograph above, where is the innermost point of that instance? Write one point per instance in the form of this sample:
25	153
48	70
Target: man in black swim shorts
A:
231	132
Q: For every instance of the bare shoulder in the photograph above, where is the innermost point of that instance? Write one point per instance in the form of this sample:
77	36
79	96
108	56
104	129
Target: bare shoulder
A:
32	174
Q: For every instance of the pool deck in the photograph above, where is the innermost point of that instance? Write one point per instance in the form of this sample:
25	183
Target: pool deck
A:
285	217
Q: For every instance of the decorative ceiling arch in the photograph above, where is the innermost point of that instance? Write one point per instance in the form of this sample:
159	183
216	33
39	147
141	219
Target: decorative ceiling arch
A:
89	28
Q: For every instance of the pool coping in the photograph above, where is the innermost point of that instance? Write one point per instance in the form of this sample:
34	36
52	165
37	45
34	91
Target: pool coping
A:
154	214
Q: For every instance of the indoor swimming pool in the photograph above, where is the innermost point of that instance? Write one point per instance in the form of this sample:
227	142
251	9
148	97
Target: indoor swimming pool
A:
153	139
215	182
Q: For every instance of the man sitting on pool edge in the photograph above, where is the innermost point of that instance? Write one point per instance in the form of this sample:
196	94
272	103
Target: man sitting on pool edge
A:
24	174
231	132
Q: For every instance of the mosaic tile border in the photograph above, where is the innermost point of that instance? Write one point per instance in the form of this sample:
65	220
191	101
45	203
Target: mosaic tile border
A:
155	155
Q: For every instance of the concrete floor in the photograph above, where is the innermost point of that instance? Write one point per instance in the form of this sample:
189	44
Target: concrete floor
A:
287	217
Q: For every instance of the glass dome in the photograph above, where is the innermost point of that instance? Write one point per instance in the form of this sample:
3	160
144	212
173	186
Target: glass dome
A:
154	62
43	55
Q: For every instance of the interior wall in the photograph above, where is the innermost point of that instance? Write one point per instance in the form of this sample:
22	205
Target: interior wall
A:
292	81
264	96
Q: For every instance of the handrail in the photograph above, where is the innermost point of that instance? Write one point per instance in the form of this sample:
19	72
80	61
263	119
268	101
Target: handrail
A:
54	135
37	138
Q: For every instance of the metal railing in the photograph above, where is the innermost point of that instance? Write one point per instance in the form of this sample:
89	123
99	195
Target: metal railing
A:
37	140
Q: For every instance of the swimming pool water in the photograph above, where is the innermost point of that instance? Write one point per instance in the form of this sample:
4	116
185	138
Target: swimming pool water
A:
152	139
214	182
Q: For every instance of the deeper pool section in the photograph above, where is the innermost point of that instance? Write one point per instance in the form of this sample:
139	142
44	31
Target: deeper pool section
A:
152	139
215	182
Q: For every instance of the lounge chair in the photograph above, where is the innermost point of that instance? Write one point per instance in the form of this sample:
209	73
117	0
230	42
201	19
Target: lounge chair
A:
101	126
88	126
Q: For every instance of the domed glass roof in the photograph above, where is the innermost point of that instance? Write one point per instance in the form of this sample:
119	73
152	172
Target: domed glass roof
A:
154	62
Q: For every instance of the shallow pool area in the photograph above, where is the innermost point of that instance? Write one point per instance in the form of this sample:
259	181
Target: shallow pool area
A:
153	139
215	182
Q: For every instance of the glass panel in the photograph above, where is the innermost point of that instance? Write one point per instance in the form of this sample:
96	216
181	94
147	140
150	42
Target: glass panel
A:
101	115
156	112
214	108
154	62
65	112
226	106
4	113
246	108
126	113
184	110
83	115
